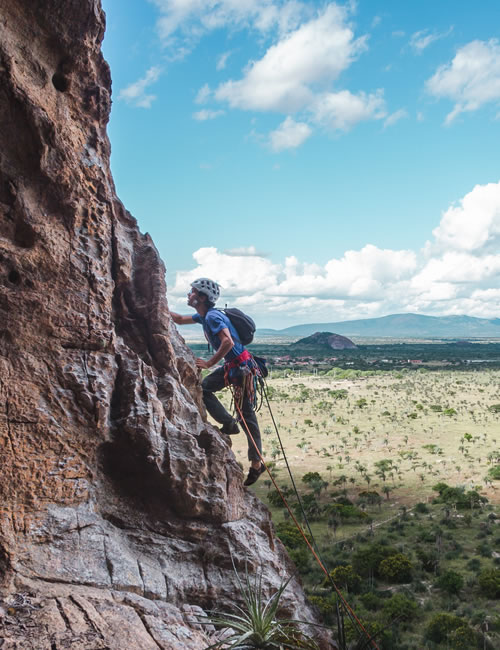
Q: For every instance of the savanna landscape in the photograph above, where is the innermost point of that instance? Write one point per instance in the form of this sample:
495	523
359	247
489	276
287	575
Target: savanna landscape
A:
398	476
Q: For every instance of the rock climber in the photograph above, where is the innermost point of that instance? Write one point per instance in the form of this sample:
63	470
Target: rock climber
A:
239	368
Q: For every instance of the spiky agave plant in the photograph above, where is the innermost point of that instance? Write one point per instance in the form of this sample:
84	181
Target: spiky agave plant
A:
255	624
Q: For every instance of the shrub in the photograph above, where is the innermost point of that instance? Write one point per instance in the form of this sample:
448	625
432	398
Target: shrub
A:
370	497
451	582
474	564
311	477
345	511
400	607
290	536
340	393
421	508
326	606
494	473
345	577
396	568
301	558
441	625
463	638
449	412
370	601
366	561
489	582
484	549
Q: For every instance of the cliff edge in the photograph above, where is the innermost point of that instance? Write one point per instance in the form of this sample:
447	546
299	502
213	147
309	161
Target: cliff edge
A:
120	505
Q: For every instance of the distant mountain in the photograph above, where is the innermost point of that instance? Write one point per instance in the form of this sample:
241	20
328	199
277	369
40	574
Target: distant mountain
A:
401	326
328	340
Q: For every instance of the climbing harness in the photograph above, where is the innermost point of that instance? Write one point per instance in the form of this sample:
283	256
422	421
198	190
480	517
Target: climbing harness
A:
342	605
244	377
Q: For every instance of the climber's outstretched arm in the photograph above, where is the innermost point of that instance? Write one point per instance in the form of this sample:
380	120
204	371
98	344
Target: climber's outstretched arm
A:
181	320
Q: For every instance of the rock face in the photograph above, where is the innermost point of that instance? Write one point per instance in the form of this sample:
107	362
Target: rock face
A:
120	505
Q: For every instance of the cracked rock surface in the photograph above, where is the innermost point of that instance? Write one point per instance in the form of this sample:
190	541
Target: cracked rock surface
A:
120	506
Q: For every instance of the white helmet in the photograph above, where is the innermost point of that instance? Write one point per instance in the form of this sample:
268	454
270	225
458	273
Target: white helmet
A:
208	287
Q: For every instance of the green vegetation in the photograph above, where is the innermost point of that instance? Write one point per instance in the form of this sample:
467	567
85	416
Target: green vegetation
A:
404	510
256	623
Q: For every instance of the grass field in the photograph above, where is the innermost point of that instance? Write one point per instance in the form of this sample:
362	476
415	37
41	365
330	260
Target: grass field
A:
430	426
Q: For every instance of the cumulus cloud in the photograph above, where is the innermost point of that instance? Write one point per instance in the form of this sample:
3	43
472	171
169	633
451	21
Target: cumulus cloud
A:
310	49
457	273
135	94
289	135
471	80
474	222
283	79
342	110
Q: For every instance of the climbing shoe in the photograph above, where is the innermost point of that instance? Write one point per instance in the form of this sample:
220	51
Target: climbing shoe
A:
230	428
253	475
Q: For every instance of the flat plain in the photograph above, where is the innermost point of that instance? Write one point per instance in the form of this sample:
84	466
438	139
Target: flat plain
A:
430	427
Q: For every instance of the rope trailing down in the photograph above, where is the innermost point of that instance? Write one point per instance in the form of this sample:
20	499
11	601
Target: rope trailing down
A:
316	554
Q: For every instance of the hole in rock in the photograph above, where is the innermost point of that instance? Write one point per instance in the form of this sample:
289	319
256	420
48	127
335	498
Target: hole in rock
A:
24	234
204	441
60	82
14	277
134	478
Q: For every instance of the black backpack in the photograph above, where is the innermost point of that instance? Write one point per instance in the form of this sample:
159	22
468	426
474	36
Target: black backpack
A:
242	323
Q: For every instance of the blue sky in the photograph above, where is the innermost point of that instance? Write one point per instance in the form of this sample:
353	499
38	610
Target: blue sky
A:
321	161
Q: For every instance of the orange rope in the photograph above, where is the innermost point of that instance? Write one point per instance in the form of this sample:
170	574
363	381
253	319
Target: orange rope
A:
299	527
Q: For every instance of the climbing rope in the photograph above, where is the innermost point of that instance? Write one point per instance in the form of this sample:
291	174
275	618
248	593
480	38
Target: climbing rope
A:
354	619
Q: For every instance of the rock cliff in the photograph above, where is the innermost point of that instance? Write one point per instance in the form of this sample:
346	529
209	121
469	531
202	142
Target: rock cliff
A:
120	506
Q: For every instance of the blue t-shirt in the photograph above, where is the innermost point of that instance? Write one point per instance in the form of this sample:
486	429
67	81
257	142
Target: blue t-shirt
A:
213	323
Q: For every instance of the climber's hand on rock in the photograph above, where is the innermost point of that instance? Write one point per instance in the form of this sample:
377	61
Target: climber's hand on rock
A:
202	364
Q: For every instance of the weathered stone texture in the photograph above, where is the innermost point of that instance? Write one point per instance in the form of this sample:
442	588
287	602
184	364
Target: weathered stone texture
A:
120	504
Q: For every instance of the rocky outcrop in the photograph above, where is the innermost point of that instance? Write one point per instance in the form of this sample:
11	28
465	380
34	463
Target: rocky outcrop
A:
120	505
329	340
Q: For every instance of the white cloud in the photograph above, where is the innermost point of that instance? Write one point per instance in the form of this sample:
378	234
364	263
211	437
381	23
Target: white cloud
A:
245	251
206	114
474	223
459	272
283	80
203	95
222	60
135	94
342	110
192	18
471	80
395	117
420	40
289	135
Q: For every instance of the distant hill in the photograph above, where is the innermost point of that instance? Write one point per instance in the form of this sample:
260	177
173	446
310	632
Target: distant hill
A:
328	340
401	326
